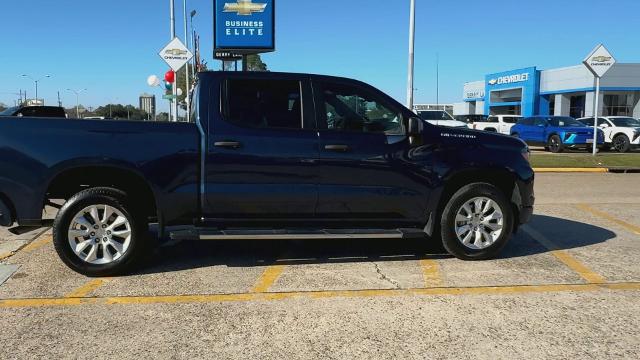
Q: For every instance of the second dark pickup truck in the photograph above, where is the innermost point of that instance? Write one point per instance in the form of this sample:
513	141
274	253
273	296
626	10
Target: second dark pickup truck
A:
268	155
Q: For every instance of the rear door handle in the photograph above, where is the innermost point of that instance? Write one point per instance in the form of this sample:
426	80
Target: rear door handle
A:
338	148
228	144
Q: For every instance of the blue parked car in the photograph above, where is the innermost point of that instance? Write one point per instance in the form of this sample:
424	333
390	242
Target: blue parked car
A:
555	133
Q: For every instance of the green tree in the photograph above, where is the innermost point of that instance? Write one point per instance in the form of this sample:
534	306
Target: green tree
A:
255	63
181	83
119	111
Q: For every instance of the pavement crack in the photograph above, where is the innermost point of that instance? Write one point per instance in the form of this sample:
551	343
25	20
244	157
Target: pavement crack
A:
385	277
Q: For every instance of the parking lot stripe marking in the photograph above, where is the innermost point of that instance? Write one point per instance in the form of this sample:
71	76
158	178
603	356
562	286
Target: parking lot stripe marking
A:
566	258
218	298
5	255
431	272
633	228
575	265
268	278
571	170
622	286
37	244
86	289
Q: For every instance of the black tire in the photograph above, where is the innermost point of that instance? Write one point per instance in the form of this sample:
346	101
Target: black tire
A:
450	240
621	143
555	144
138	242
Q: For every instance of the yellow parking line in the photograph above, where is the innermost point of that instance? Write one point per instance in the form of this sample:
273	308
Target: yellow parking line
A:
6	255
566	258
571	170
86	289
214	298
37	244
268	278
431	272
633	228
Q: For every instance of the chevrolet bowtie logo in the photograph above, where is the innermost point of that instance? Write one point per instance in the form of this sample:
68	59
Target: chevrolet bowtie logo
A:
244	7
176	52
601	58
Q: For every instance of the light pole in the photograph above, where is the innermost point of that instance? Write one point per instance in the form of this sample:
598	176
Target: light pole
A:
36	81
193	45
172	19
77	92
186	66
412	33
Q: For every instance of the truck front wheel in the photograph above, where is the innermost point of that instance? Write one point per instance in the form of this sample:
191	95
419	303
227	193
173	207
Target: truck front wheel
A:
97	233
477	222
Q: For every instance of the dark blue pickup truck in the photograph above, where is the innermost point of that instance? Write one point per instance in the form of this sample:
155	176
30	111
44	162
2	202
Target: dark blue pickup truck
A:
269	155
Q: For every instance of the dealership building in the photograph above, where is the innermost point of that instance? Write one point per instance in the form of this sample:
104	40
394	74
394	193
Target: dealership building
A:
568	91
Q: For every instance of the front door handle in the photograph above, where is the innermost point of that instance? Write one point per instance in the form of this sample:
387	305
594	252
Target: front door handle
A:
338	148
228	144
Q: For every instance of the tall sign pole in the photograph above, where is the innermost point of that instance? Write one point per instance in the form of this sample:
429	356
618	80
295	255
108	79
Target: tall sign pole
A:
412	33
174	102
186	66
599	61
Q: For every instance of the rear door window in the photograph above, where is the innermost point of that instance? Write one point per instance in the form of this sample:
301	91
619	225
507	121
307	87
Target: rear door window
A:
263	103
539	122
526	121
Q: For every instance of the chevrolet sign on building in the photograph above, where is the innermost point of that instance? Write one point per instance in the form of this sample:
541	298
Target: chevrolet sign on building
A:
565	91
244	26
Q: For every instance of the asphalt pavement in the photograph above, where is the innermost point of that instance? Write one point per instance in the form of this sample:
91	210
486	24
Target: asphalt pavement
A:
566	286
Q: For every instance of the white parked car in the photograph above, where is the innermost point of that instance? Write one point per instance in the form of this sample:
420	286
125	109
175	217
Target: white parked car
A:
621	133
440	117
496	123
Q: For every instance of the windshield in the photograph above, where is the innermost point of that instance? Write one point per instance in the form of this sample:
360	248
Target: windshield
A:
565	121
626	122
9	111
435	115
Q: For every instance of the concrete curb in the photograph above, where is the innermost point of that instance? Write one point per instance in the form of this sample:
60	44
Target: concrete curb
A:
587	170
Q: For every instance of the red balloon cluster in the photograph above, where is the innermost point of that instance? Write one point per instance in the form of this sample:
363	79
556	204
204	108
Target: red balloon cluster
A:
170	76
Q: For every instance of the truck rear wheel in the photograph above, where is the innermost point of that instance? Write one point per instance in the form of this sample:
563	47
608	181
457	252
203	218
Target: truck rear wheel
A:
477	222
97	233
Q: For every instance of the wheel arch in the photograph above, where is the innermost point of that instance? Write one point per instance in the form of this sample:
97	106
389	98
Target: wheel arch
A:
503	179
554	133
70	181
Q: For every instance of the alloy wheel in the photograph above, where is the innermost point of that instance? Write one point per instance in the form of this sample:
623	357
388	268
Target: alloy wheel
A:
99	234
479	223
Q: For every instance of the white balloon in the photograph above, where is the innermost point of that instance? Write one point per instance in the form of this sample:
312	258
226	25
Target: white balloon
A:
153	80
179	91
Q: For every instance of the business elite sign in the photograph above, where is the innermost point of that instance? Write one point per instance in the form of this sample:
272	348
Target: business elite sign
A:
244	26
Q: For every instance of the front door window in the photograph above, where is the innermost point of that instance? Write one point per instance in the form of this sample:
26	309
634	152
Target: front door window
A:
352	109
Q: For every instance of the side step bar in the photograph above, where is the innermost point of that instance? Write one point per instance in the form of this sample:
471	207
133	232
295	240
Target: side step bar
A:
202	234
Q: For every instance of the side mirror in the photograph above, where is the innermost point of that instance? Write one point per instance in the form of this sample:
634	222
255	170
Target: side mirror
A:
415	127
604	125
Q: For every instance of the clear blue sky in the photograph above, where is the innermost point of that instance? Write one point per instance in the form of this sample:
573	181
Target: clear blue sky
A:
110	47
